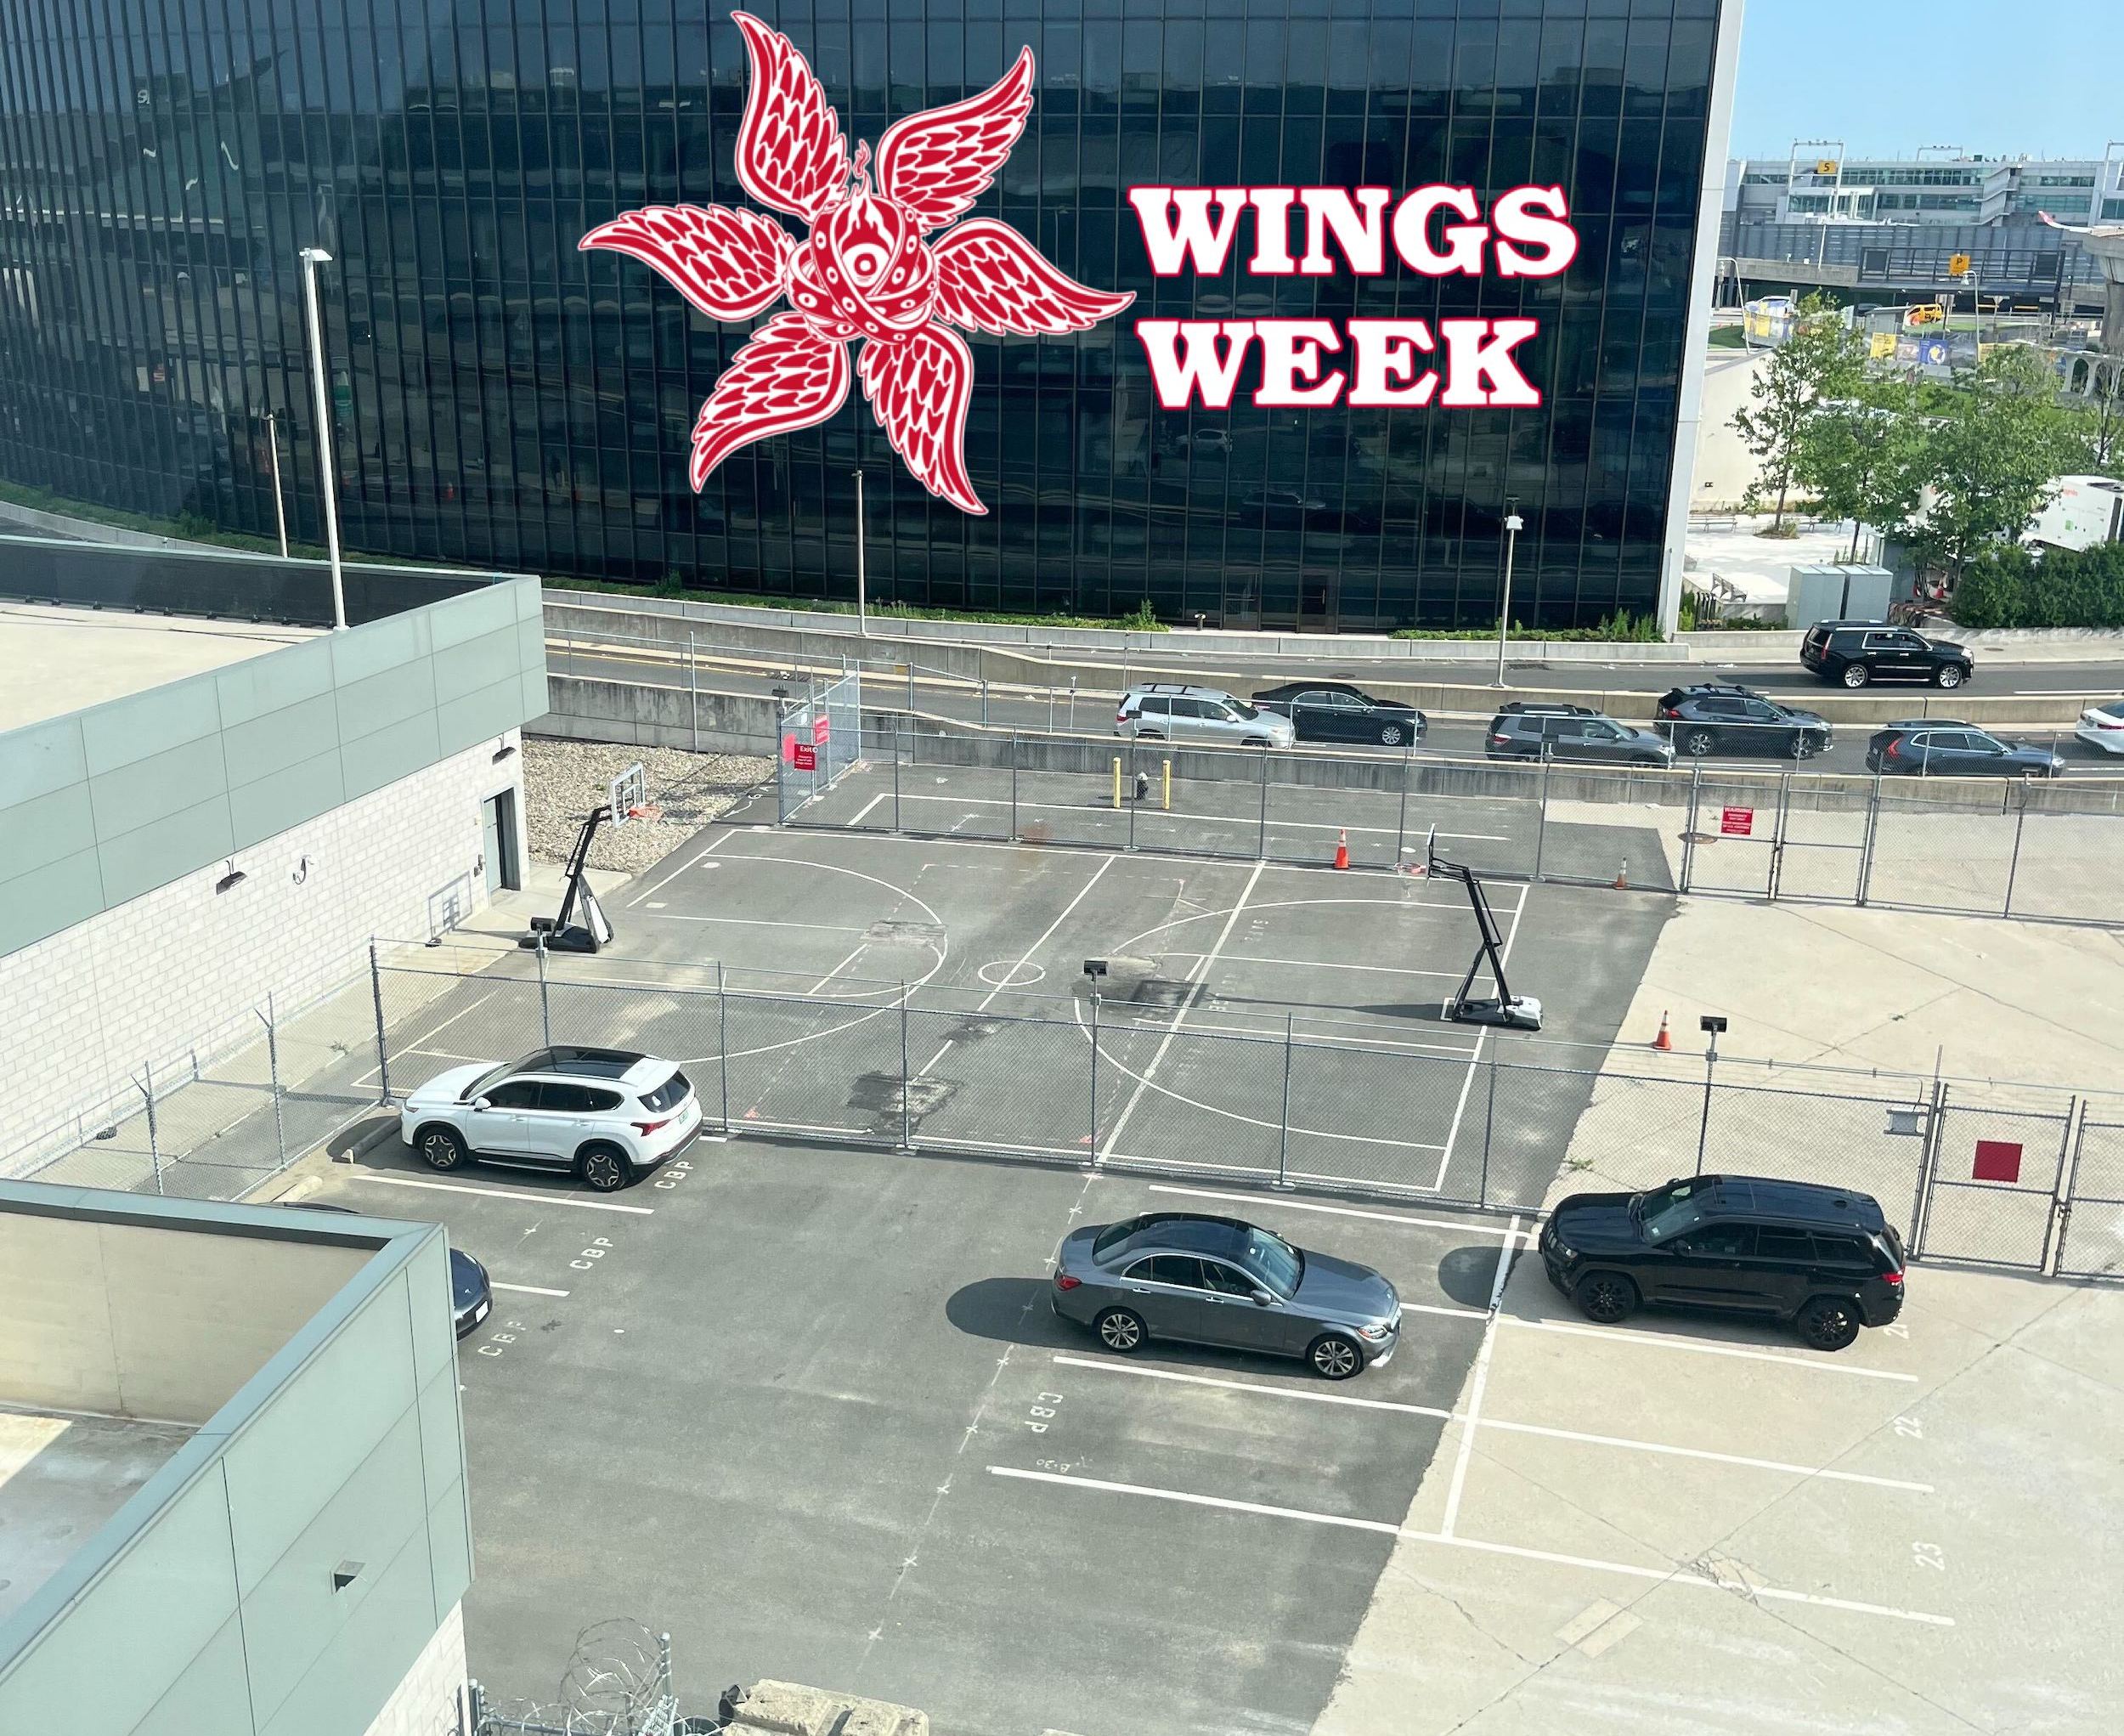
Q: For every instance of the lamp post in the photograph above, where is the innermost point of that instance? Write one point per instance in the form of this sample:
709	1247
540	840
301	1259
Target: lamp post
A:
863	614
312	258
1513	525
1711	1024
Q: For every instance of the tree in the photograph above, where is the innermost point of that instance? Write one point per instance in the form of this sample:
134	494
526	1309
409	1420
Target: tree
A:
1823	360
1992	454
1863	458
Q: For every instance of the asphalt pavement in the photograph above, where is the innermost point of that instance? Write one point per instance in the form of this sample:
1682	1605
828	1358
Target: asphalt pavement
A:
1449	736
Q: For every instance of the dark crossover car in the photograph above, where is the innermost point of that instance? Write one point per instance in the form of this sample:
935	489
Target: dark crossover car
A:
1823	1258
1852	653
471	1293
1335	711
1711	717
1216	1280
1939	747
1527	730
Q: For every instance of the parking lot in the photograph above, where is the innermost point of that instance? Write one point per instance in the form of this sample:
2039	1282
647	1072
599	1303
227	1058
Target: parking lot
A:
803	1403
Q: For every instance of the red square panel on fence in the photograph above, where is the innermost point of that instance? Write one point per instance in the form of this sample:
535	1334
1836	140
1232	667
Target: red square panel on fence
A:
821	728
1997	1160
805	758
1737	823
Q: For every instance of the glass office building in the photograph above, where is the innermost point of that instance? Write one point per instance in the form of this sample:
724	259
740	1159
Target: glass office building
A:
501	399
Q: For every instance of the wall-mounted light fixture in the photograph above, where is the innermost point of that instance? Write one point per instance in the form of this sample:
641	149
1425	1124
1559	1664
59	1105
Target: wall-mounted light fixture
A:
504	749
234	877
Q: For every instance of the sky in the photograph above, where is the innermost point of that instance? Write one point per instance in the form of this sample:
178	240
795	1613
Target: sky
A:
1888	76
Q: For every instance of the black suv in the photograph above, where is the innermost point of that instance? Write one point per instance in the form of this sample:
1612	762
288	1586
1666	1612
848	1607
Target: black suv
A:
1822	1259
1856	652
1709	716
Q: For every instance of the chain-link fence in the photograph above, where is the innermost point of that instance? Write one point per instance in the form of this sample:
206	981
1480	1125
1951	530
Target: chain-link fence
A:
2002	847
1153	1082
232	1108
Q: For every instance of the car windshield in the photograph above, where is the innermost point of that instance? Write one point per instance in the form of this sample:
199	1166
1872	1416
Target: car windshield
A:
1269	1256
1241	707
1668	1211
490	1076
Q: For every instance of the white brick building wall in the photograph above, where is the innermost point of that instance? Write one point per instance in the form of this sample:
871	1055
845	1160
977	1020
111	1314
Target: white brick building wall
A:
429	1700
179	970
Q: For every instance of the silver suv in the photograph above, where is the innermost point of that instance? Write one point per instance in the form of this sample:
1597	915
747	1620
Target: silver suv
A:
1168	711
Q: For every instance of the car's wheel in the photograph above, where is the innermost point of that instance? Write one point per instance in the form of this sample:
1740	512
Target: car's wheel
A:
604	1169
1119	1330
440	1148
1606	1297
1334	1357
1698	741
1829	1322
1390	735
1149	735
1855	675
1255	741
1804	746
1948	675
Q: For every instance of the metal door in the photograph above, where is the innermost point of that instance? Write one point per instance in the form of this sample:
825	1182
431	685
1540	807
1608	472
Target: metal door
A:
1731	842
1993	1184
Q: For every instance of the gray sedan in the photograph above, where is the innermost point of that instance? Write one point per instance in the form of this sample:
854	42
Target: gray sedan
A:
1216	1280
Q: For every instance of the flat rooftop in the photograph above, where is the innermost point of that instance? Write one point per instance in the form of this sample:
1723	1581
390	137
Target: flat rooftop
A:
57	659
61	1476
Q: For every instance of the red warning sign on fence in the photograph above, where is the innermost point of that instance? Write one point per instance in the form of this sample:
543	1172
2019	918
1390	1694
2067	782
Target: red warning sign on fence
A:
1738	823
804	756
821	728
1997	1160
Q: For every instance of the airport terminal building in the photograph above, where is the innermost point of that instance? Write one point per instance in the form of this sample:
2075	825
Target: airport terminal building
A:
1388	265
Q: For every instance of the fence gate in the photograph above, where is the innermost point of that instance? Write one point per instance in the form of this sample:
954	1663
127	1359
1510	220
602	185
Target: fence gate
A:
1993	1187
1731	844
2091	1236
822	737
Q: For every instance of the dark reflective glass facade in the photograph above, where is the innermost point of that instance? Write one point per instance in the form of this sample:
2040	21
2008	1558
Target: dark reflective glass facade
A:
502	400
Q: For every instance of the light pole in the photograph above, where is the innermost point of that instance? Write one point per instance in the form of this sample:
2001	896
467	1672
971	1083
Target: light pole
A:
862	615
312	258
1711	1024
1513	525
280	500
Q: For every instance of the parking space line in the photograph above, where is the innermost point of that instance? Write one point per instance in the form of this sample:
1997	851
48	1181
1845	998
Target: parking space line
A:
1674	1341
856	818
1745	1589
1682	1452
429	1036
526	1289
1470	1225
497	1193
1244	1386
1473	1418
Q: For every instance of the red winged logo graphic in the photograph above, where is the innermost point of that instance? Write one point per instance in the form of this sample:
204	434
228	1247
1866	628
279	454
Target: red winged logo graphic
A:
870	270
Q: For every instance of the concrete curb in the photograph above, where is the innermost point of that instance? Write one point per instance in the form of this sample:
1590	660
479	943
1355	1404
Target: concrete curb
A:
359	1138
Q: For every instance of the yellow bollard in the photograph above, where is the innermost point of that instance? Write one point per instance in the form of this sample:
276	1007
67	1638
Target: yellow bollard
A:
1117	783
1168	786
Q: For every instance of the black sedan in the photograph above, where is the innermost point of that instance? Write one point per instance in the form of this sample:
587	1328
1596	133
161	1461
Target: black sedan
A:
1335	711
1940	748
471	1293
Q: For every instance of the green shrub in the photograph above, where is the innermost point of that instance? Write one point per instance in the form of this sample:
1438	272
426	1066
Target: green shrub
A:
2008	587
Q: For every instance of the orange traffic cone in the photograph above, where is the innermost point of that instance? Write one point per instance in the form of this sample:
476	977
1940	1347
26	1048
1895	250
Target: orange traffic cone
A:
1622	876
1663	1042
1342	848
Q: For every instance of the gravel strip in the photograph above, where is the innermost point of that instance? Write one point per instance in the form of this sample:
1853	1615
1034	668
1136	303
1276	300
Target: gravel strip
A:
563	780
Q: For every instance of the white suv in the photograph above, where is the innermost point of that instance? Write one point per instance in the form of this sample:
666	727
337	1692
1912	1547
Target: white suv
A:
1168	711
606	1115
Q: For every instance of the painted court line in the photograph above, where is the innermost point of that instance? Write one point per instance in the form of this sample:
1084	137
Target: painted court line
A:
1335	964
1677	1576
1674	1341
856	818
1473	1418
1251	820
1473	1226
528	1289
651	891
1622	1442
497	1193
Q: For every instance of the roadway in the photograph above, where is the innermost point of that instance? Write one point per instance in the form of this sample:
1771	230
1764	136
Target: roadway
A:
1454	735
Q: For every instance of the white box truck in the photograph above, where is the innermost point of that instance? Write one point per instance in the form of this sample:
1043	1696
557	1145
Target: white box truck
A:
2086	510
